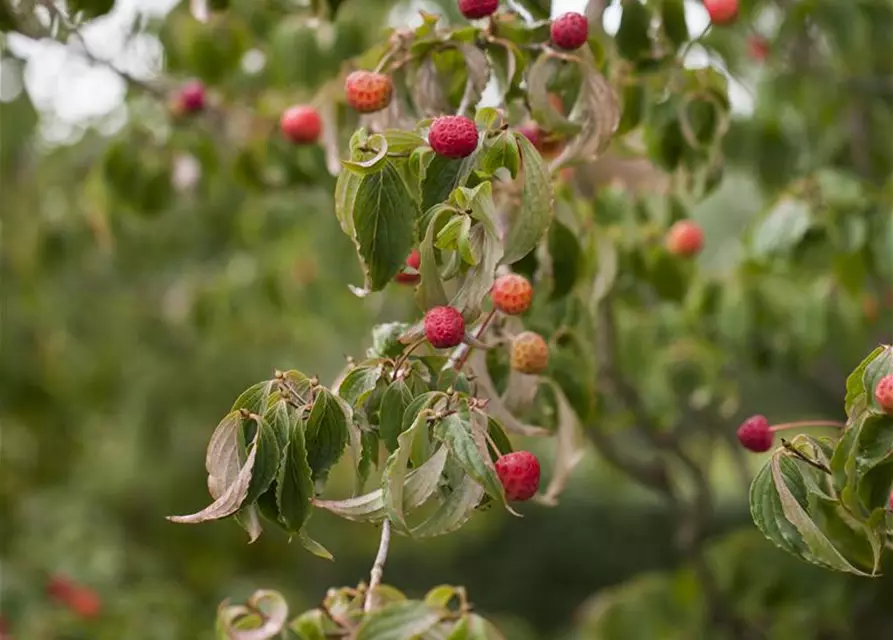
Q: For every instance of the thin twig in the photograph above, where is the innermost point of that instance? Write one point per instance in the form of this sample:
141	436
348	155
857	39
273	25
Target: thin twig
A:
805	458
378	567
460	362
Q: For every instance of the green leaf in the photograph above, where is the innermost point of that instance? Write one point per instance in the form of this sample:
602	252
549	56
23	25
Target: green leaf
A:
782	228
498	437
541	73
372	165
474	627
469	448
536	212
255	397
384	217
442	175
326	433
268	457
879	367
400	141
393	405
564	249
294	484
310	625
359	383
672	20
500	152
386	340
346	189
632	38
398	621
454	511
313	546
419	485
430	292
393	477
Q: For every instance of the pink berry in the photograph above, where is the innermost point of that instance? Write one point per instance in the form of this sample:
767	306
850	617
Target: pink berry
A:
444	327
570	31
475	9
722	11
755	435
192	96
883	393
685	238
301	124
414	261
453	136
519	473
368	91
758	47
512	294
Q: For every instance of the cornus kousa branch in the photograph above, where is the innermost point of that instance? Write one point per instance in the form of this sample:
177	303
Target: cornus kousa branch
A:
377	572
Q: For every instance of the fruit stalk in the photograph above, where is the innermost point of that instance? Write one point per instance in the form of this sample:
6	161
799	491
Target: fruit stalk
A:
462	359
802	424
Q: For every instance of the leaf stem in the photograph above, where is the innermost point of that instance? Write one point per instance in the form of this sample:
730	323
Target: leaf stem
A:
460	362
378	566
401	360
802	456
800	424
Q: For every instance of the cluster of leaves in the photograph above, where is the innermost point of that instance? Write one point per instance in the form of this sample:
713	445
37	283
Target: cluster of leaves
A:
443	614
828	500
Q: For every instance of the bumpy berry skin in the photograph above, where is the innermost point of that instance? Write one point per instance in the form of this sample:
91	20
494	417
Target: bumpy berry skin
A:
883	393
685	238
192	97
444	327
570	31
519	473
722	12
368	91
453	136
301	124
512	294
530	353
413	261
476	9
755	435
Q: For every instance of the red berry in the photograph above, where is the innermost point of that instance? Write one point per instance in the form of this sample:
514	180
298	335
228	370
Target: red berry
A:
541	140
512	294
722	11
192	97
890	501
59	588
685	238
758	47
444	327
755	435
368	91
519	473
301	124
84	602
413	262
883	393
453	136
474	9
570	31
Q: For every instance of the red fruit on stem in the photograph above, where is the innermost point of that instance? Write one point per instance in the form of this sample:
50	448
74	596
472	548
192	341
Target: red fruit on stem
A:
475	9
519	473
890	501
512	294
685	238
722	12
444	327
453	136
755	434
414	261
570	31
301	124
59	587
192	97
368	91
85	603
883	393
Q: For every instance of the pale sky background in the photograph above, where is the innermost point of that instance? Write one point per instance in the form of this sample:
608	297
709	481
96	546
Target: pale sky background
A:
72	93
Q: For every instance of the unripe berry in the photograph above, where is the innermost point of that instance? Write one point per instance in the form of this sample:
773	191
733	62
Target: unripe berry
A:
758	48
685	238
512	294
301	124
530	353
475	9
368	91
722	11
883	393
414	261
453	136
755	434
519	473
444	327
570	31
192	97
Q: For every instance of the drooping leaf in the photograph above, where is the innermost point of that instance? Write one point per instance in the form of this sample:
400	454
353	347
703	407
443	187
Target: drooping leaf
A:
782	228
452	512
326	433
268	447
254	399
430	292
359	383
395	469
384	217
294	484
393	405
270	612
569	447
310	625
313	546
536	211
